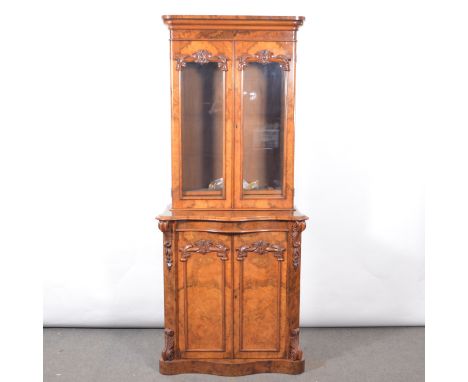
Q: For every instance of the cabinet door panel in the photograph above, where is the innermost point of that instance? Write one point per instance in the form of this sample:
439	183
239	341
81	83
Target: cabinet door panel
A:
265	123
204	295
202	124
260	295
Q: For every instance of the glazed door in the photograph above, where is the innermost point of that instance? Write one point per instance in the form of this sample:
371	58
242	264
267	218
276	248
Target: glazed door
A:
264	82
204	295
260	321
202	124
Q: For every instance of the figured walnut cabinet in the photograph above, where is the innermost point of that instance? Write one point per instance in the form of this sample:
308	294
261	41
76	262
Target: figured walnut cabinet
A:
232	243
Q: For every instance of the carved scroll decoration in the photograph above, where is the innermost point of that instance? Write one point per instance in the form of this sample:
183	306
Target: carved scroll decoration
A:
204	247
168	353
264	57
294	351
261	248
165	226
201	57
297	228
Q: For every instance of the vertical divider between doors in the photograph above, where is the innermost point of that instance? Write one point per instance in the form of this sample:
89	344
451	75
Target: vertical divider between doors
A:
175	285
184	270
234	127
232	295
278	308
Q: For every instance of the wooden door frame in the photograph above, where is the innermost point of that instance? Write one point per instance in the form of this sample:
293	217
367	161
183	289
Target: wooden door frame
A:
183	257
265	201
190	49
282	319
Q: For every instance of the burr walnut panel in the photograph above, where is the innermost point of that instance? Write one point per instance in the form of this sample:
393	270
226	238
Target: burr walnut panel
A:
234	35
232	227
237	292
231	282
260	295
231	245
204	295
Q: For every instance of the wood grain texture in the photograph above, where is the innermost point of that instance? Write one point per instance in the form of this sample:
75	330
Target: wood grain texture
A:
294	351
260	295
283	200
205	295
232	35
232	279
233	368
231	214
231	257
263	57
164	227
168	353
231	56
266	23
201	56
297	228
189	49
170	295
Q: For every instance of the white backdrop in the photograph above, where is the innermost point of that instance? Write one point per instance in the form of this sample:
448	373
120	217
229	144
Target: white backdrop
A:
104	166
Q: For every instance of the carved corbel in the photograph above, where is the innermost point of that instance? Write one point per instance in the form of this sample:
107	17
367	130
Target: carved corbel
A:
294	351
165	228
168	353
297	228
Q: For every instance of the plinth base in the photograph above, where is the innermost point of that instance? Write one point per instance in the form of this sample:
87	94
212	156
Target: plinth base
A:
231	367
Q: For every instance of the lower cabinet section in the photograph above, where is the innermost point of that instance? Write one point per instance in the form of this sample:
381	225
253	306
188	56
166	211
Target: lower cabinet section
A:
232	297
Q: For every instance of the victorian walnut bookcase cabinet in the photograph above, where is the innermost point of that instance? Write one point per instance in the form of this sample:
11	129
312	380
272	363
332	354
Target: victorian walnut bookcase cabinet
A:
232	237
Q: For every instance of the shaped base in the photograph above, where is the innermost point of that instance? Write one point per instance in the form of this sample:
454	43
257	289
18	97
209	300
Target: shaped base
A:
231	367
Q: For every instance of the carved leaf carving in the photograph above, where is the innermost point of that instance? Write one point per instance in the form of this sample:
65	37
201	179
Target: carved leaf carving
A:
297	228
201	57
261	248
294	351
168	353
165	226
204	247
264	57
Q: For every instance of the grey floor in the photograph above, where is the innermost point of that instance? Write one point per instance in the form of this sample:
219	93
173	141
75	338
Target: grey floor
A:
332	354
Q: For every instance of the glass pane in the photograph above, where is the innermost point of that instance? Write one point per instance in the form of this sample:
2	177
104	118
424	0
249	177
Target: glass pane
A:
202	96
263	130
